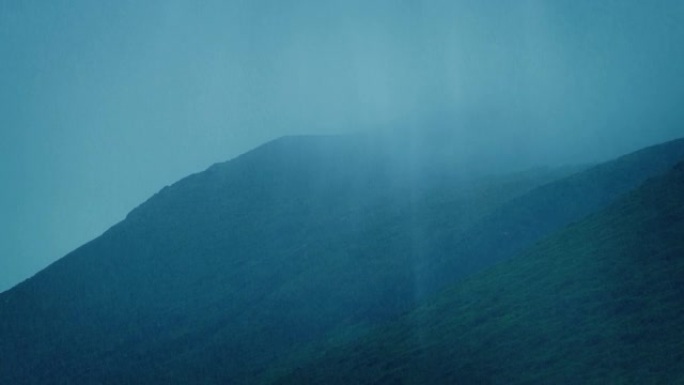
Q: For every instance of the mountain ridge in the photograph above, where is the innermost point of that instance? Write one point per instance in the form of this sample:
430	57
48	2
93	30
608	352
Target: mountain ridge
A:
189	267
226	270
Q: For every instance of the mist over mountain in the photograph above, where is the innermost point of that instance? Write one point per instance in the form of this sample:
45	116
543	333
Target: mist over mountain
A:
238	263
103	103
407	191
598	302
227	271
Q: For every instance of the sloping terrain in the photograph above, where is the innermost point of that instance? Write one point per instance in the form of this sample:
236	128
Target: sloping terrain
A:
227	270
601	302
519	223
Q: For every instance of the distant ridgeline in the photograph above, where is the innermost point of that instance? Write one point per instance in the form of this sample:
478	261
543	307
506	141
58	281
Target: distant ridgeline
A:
342	258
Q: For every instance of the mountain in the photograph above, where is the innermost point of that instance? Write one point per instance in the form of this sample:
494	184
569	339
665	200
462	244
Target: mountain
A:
228	268
222	273
519	223
600	302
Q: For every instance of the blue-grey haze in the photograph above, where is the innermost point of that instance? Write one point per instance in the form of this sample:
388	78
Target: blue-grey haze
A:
103	103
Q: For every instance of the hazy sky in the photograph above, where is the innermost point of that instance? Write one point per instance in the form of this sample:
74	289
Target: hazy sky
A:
103	103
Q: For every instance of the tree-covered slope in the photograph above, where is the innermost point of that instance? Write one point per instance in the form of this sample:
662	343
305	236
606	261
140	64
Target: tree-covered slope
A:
601	302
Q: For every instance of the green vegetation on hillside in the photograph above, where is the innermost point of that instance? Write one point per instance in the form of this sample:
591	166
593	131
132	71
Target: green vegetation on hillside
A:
601	302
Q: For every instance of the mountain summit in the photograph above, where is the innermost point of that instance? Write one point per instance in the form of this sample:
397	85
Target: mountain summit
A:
219	275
